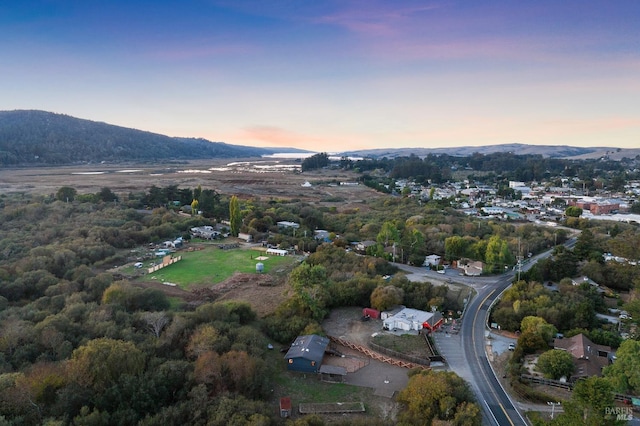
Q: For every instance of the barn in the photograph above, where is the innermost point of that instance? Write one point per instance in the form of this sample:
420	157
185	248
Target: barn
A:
306	353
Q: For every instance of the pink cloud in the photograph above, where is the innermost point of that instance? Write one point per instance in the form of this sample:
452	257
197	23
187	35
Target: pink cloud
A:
279	137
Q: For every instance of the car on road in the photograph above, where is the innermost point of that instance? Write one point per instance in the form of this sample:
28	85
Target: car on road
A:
512	347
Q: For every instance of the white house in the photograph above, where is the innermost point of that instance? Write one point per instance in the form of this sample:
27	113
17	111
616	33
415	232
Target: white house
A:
407	319
287	224
432	260
276	252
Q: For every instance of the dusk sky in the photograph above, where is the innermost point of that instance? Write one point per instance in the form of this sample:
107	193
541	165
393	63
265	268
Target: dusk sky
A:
333	75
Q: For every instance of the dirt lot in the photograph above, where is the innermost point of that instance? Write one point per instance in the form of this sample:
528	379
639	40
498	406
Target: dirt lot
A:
346	324
263	292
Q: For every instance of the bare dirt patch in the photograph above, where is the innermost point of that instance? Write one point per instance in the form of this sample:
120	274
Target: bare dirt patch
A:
263	292
346	324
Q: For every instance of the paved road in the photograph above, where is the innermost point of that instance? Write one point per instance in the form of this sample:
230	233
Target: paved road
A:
465	352
497	406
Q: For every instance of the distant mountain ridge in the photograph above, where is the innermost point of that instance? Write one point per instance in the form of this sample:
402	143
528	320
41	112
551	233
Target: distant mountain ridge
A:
549	151
32	137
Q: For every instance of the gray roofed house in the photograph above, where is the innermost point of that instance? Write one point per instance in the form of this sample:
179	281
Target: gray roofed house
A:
306	353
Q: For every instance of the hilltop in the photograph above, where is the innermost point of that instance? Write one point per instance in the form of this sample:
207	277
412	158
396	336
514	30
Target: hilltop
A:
546	151
40	138
30	137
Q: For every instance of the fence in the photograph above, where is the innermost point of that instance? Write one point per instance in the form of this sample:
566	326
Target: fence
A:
165	262
435	356
378	356
400	355
627	399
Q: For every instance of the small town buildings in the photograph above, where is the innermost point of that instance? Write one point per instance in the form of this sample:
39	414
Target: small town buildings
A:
588	357
306	353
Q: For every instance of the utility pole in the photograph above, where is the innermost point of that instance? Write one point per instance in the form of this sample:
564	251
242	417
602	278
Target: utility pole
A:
519	260
553	406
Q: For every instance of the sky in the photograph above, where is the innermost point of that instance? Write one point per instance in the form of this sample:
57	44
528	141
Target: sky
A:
332	76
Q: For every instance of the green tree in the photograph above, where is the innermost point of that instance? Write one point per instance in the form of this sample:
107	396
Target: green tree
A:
573	211
310	284
316	161
100	362
555	364
107	195
208	202
431	396
66	194
588	405
497	255
235	218
205	339
385	297
538	325
624	373
454	247
585	245
388	234
197	192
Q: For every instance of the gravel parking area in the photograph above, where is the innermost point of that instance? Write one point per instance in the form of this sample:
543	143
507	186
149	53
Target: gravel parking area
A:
346	323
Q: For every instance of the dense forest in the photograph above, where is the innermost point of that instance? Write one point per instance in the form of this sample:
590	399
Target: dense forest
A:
501	167
43	138
82	345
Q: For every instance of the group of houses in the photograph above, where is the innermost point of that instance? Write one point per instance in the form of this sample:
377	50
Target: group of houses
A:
536	200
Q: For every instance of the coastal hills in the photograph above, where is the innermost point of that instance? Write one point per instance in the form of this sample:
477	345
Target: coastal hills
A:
32	138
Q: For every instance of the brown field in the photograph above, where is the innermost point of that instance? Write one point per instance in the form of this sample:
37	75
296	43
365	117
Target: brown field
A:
238	178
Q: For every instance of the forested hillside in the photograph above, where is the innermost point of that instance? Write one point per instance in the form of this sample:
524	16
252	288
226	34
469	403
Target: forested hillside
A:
44	138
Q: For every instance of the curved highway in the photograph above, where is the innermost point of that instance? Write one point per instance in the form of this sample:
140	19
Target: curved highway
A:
497	407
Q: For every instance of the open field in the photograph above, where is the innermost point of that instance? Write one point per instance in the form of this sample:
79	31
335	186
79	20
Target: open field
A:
215	274
212	265
245	178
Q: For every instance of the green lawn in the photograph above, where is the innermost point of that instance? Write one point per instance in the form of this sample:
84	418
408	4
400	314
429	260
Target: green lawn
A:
213	265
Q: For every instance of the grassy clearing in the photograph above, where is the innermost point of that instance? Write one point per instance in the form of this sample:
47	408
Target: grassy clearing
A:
213	265
408	344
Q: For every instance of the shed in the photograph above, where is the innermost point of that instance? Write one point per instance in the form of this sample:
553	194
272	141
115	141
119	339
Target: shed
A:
332	373
285	407
306	353
371	313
